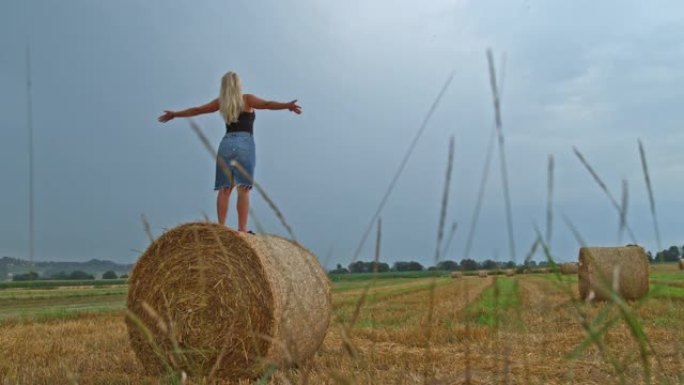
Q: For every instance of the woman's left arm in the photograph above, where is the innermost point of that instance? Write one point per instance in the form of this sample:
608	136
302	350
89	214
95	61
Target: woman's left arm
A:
261	104
212	106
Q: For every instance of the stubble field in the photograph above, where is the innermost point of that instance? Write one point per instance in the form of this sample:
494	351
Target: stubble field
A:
525	329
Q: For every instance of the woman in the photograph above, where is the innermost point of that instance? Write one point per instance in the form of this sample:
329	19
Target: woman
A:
237	146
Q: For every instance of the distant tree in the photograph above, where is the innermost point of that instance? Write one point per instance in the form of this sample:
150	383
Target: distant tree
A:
468	264
59	276
671	254
357	267
109	275
673	251
407	266
124	276
531	263
30	276
510	265
660	256
488	264
382	267
339	270
368	267
78	275
447	265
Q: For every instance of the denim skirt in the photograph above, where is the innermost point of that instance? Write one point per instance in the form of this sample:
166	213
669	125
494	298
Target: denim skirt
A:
235	161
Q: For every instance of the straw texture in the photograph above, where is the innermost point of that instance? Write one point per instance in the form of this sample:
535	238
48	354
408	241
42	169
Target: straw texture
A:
569	268
623	268
211	301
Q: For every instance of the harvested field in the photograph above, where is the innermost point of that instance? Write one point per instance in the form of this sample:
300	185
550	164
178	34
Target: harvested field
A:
517	330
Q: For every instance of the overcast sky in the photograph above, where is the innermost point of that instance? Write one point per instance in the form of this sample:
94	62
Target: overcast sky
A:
595	75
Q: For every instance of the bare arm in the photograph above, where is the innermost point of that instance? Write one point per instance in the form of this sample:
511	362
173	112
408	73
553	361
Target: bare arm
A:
261	104
212	106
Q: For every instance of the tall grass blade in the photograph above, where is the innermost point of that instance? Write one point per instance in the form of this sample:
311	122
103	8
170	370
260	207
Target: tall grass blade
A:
549	201
573	229
605	189
502	154
623	209
483	179
480	195
146	227
532	251
427	374
649	187
404	161
447	244
445	200
362	299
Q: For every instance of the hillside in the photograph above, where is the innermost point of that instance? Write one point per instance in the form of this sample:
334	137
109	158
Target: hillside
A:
9	265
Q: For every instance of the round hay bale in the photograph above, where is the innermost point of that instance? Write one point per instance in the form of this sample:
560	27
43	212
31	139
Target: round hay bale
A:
509	272
482	274
215	302
623	268
456	274
569	268
681	264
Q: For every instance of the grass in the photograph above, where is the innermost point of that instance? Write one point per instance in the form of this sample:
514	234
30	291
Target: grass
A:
500	297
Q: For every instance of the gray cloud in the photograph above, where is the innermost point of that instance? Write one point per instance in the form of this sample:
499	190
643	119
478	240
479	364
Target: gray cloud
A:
597	76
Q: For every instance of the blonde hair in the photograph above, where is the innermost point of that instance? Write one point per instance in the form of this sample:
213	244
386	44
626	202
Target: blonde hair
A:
230	97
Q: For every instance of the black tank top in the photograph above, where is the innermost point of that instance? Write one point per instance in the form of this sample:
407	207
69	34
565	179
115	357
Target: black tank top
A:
245	123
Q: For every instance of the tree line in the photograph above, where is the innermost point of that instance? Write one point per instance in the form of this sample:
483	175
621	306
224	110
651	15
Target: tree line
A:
671	254
77	275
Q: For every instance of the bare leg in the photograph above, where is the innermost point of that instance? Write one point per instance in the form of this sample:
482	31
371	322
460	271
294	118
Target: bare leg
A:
242	208
222	204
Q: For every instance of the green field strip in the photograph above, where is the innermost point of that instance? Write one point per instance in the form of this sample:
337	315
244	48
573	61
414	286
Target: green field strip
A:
21	294
342	287
501	296
51	284
666	291
375	296
401	312
19	308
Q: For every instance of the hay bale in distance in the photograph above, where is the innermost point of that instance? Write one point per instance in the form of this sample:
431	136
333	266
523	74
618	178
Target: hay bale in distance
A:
509	272
624	268
569	268
482	273
456	274
681	264
217	302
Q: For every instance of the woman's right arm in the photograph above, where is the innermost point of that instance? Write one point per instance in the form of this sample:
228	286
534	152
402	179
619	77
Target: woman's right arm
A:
212	106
